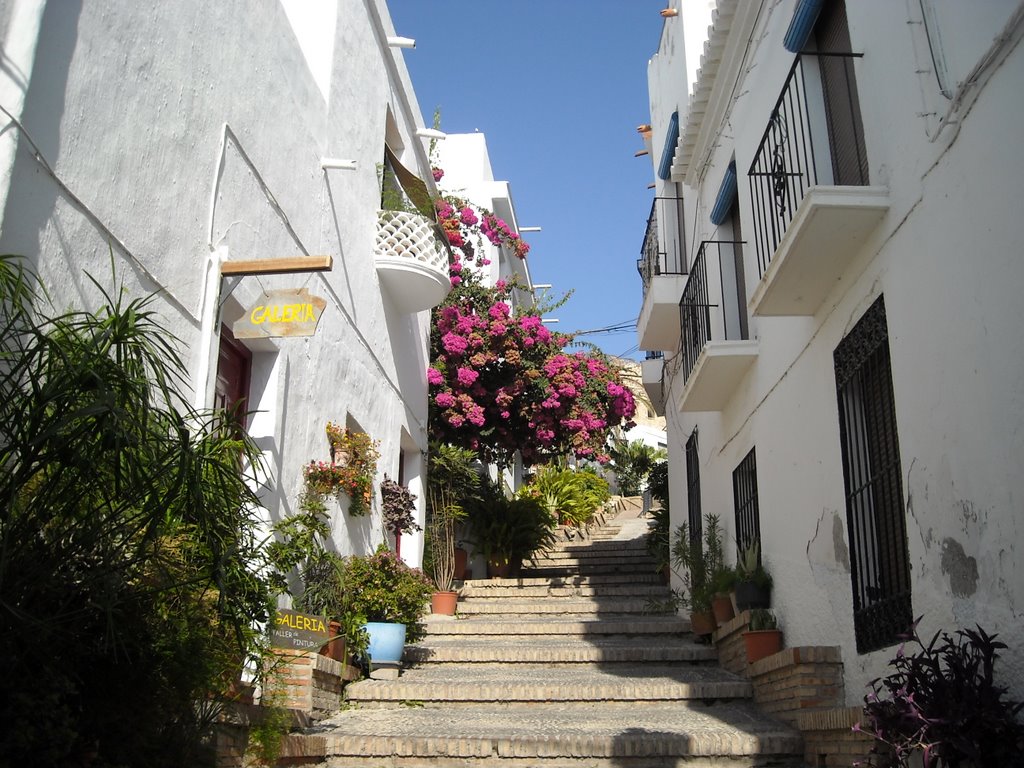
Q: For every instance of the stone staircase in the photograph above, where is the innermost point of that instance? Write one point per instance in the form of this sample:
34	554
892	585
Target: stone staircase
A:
565	666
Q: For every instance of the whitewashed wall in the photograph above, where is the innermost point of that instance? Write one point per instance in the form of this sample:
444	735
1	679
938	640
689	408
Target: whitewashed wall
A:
146	116
947	258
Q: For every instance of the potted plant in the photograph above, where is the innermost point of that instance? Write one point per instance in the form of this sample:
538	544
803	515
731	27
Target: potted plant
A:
764	637
454	481
723	584
389	598
398	507
701	563
941	703
351	470
753	582
508	531
323	594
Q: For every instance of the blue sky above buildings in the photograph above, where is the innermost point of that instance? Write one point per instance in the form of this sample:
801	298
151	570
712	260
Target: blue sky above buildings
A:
558	87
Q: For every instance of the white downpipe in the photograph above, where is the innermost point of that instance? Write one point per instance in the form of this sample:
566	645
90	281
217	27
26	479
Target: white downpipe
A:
209	309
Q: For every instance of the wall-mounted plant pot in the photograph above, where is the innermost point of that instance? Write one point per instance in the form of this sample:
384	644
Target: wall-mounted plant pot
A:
387	642
721	606
702	623
762	643
444	603
750	595
341	457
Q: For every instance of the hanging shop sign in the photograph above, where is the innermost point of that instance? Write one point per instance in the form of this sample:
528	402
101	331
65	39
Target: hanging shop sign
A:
298	631
286	312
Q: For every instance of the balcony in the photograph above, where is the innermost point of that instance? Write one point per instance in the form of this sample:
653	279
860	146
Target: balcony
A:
716	350
813	207
662	267
412	260
652	371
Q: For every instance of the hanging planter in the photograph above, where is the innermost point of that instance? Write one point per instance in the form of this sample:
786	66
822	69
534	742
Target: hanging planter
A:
351	470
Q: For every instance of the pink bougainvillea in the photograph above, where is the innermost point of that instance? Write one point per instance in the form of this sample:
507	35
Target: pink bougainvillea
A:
464	227
500	382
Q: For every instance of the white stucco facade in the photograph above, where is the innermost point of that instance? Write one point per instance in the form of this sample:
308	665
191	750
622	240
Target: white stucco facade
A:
934	228
181	135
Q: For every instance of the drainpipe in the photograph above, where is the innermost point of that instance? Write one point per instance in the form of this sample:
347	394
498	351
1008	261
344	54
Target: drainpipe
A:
209	312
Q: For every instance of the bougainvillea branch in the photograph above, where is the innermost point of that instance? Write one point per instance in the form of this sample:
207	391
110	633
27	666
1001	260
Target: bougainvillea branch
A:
500	382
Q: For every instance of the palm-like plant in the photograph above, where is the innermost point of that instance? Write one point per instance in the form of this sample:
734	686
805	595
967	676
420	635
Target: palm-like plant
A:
633	462
129	561
453	484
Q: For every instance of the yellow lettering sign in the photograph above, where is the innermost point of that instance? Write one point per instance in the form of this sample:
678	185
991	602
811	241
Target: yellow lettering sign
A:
282	313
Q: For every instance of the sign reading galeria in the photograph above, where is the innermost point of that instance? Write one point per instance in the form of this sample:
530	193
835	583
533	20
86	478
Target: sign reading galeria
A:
298	631
285	312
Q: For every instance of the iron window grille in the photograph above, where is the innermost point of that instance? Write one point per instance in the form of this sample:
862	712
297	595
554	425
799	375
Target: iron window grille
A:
875	516
744	494
693	509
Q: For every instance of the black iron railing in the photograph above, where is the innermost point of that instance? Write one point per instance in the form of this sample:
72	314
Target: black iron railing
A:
663	251
651	354
814	136
698	324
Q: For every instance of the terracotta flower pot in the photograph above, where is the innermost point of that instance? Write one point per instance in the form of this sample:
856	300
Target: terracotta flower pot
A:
444	603
702	623
762	643
721	606
335	649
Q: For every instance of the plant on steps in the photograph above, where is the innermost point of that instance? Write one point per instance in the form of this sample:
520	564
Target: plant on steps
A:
453	483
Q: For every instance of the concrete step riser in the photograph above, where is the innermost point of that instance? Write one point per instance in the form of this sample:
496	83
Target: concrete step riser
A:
557	581
544	593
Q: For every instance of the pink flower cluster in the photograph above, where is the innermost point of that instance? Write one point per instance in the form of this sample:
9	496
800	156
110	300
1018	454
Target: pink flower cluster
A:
463	227
500	382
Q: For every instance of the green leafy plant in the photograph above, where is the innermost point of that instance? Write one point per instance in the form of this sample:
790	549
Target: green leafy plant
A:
507	530
749	567
351	470
657	482
633	462
659	538
701	562
453	484
131	575
942	701
380	587
762	619
571	496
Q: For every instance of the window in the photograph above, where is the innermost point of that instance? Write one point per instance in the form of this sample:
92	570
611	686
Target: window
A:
842	106
693	489
744	494
875	517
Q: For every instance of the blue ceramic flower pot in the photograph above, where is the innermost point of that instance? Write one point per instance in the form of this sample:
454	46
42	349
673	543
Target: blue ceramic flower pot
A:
387	641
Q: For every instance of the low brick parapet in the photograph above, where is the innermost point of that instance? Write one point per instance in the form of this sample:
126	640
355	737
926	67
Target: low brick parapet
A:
829	738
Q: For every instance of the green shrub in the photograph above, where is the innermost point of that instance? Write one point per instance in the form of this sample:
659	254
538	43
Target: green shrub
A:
380	587
571	496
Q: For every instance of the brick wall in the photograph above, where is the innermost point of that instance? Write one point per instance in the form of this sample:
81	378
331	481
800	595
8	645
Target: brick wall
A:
829	738
804	687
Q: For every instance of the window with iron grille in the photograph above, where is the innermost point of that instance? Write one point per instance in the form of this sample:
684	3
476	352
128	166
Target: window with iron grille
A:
693	489
875	517
744	494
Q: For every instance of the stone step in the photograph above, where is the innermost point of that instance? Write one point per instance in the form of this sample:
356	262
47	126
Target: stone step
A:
650	735
585	569
622	682
600	547
559	649
594	606
561	580
655	591
657	624
639	559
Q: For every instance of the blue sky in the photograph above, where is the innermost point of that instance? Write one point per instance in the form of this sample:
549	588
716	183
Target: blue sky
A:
558	87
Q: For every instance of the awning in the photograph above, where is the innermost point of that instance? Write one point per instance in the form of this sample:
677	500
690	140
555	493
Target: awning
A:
800	26
726	196
669	152
412	185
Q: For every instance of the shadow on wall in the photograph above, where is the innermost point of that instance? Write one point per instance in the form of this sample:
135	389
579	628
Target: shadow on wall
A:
32	197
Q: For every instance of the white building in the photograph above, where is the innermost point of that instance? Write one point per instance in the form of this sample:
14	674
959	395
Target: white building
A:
833	270
186	137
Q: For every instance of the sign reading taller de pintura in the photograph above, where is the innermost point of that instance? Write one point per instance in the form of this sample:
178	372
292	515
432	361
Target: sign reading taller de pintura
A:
298	631
285	312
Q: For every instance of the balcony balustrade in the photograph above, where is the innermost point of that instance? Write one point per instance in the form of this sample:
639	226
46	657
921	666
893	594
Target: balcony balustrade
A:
716	348
412	260
662	268
812	206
